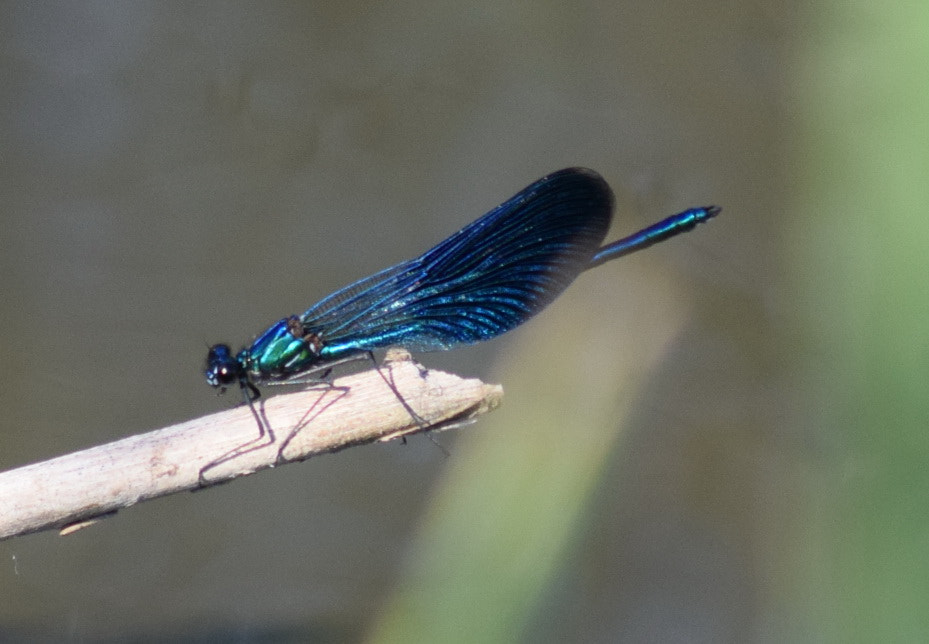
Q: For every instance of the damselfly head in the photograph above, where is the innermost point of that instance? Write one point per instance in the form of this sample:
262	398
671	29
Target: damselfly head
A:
222	368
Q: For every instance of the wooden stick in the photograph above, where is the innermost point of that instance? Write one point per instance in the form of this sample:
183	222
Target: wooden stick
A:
75	490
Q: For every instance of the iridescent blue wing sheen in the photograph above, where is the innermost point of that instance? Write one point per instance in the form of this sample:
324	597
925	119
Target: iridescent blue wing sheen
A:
484	280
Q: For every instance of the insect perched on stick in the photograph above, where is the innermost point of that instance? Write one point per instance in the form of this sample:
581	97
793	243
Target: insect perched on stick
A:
486	279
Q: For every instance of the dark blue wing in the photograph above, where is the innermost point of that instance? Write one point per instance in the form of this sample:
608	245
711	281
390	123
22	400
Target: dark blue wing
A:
484	280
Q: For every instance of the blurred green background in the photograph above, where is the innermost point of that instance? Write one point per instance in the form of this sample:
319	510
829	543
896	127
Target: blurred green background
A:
722	439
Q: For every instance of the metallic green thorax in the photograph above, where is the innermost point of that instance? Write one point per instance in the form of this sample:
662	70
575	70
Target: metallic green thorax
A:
281	351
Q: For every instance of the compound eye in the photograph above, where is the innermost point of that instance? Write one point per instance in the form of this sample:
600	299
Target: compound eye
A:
221	367
220	376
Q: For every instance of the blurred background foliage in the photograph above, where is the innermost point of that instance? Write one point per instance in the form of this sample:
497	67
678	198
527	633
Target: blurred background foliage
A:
721	439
